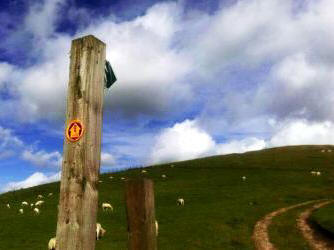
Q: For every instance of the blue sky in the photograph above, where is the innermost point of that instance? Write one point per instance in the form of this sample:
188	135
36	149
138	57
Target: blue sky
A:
195	78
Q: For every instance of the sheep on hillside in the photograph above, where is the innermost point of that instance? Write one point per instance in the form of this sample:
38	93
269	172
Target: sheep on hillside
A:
32	204
21	210
180	201
323	151
39	196
313	173
163	176
24	203
110	177
244	178
36	210
52	244
144	171
8	205
122	178
329	150
107	206
50	194
318	173
99	231
156	227
38	203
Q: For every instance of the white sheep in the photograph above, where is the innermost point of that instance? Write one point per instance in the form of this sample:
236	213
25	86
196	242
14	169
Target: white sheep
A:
110	177
144	171
329	150
50	194
100	181
180	201
32	204
39	196
172	166
8	205
122	178
106	206
323	151
244	178
313	172
38	203
36	210
163	176
99	231
52	244
21	210
24	203
318	173
156	227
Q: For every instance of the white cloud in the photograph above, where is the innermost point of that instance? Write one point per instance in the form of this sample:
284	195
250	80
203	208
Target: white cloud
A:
187	140
241	146
183	141
35	179
42	158
303	132
107	159
9	143
42	16
175	46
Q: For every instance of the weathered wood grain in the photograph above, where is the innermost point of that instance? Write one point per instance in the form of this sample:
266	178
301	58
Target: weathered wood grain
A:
81	160
139	195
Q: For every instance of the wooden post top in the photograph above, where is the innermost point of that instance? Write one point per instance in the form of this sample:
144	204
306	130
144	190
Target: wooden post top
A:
88	39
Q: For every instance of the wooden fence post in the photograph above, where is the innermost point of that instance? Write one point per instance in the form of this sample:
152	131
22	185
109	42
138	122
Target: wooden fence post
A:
78	200
139	195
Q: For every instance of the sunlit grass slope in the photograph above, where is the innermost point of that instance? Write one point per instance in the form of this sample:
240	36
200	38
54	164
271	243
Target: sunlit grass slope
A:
220	208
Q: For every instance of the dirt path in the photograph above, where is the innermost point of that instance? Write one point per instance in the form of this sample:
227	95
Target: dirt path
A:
315	240
260	233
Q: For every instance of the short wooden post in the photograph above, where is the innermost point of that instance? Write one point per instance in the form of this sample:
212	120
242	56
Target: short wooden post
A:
139	195
76	226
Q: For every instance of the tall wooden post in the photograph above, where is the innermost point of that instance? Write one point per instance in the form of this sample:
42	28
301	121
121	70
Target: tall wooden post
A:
76	226
139	195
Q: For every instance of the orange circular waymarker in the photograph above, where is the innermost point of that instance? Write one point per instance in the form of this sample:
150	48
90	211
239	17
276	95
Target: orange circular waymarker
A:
74	130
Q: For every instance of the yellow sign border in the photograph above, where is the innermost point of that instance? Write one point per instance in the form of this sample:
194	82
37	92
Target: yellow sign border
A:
68	127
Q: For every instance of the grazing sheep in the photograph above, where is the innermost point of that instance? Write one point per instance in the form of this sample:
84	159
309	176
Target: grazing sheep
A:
122	178
39	196
8	205
21	210
36	210
244	178
38	203
100	181
172	166
32	204
99	231
156	227
144	171
323	151
313	173
24	203
106	206
180	201
110	177
52	244
163	176
50	194
329	150
318	173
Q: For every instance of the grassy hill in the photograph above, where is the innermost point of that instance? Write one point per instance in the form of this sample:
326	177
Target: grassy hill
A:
220	208
324	219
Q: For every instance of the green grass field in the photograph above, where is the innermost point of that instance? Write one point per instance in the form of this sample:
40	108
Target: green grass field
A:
220	209
324	217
